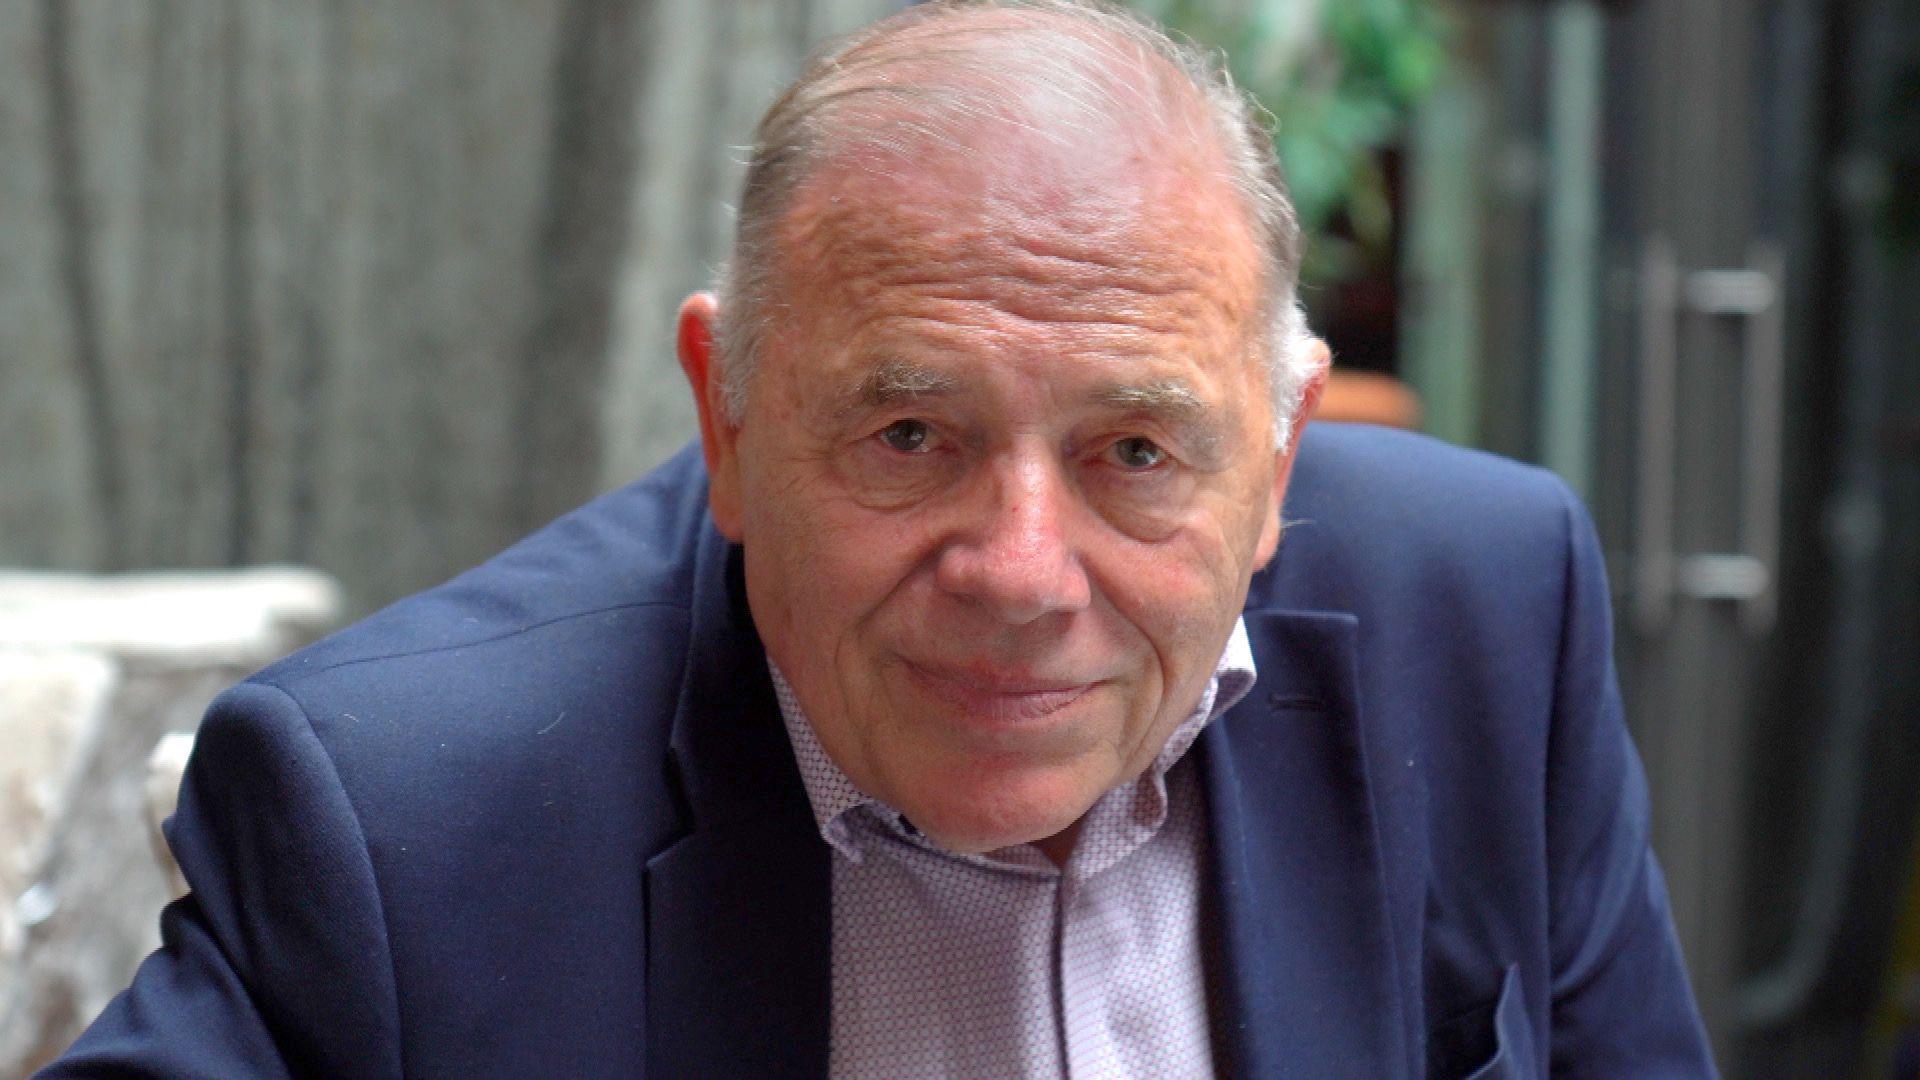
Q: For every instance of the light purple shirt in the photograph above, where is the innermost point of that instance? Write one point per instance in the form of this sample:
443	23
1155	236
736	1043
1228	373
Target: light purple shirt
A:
1003	965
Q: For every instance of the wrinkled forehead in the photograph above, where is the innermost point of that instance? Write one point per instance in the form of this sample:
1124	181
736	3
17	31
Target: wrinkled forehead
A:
1090	221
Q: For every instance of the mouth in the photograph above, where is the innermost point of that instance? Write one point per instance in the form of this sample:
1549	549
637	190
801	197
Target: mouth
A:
998	699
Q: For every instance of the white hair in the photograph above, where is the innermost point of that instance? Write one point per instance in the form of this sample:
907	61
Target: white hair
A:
927	70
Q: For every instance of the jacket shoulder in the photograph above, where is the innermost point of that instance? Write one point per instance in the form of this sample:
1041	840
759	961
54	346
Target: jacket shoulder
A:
489	759
1373	512
633	547
521	692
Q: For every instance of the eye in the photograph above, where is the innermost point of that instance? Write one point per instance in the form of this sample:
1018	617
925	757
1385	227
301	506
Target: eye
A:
1138	453
905	436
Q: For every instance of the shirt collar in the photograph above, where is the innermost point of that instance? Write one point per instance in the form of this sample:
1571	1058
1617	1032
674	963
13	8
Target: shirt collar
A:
833	796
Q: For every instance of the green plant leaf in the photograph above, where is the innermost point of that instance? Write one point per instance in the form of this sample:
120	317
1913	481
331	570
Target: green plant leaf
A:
1348	95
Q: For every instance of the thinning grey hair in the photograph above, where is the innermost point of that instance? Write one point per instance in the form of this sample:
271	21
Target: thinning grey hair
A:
924	72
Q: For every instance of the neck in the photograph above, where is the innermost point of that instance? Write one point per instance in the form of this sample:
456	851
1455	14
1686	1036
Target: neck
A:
1059	847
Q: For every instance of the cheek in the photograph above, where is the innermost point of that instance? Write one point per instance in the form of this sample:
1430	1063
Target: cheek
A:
1242	516
1183	592
822	563
1210	548
1148	509
1179	609
885	481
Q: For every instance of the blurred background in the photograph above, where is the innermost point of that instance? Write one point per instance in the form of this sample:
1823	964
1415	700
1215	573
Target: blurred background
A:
375	289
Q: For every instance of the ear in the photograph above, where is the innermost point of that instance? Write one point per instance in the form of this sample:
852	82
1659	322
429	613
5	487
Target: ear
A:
719	435
1283	456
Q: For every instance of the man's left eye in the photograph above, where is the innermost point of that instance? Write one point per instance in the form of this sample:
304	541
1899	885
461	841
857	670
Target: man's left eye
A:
1138	453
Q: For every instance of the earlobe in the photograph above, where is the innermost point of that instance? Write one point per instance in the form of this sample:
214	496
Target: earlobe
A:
719	437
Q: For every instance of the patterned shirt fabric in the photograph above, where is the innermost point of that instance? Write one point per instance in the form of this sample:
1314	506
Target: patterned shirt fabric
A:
1004	965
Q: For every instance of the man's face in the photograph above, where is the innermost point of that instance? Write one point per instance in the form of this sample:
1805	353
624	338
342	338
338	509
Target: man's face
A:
1005	470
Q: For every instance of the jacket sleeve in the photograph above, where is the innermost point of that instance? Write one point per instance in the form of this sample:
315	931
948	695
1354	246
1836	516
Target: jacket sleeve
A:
276	963
1621	1003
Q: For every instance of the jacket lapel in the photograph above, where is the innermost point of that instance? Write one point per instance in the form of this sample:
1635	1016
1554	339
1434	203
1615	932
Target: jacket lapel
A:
739	909
1309	981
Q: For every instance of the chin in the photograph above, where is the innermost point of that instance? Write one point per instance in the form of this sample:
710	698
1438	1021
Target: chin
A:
987	813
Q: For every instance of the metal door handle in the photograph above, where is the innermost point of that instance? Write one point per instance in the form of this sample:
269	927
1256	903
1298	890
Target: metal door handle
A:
1765	435
1749	577
1659	372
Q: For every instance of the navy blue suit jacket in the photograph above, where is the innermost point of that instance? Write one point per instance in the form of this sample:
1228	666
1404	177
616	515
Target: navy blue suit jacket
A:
544	820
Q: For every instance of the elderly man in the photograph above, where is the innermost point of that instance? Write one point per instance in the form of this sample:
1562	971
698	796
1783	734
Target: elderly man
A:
962	713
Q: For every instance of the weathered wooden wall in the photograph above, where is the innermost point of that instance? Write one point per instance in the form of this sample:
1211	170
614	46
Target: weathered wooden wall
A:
373	287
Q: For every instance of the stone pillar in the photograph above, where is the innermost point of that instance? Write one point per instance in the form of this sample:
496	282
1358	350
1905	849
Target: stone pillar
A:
94	672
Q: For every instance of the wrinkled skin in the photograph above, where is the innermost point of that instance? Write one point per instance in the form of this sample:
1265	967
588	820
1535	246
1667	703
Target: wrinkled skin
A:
1004	472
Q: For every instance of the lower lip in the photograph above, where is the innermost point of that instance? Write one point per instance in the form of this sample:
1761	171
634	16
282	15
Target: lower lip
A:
998	707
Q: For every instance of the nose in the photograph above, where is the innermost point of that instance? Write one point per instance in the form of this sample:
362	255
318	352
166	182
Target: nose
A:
1013	551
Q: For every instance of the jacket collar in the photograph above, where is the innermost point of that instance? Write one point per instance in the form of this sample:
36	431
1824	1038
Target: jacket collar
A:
739	909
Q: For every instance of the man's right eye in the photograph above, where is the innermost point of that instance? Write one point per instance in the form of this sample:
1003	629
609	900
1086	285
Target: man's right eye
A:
906	436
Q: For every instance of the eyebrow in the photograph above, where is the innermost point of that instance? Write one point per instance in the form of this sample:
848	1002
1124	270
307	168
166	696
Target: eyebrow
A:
1168	398
1173	403
892	382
